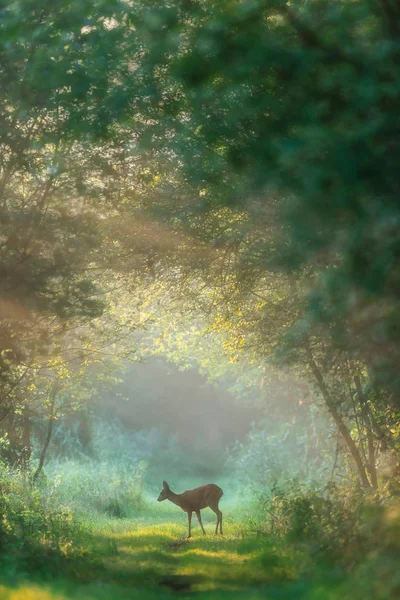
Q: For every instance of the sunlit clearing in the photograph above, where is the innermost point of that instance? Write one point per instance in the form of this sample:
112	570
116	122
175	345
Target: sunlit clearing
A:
29	592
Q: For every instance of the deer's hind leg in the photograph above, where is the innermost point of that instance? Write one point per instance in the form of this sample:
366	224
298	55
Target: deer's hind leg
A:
198	514
215	508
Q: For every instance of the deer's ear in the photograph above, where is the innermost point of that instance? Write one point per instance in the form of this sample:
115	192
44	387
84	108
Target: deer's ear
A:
165	485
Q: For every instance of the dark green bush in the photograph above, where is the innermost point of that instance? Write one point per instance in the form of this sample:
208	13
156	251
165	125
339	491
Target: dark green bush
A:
36	534
336	525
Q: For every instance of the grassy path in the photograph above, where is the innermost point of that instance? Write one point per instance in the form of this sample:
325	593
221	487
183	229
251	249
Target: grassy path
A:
149	562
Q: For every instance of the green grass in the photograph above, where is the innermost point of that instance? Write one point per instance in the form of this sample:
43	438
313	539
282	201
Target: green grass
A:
149	558
156	561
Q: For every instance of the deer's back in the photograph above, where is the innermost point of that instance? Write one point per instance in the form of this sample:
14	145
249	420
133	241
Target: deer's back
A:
201	497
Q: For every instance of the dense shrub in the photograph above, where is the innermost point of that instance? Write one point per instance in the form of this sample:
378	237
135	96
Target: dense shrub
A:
36	531
337	525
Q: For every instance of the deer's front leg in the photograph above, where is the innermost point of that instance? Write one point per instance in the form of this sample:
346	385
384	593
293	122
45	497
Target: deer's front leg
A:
190	523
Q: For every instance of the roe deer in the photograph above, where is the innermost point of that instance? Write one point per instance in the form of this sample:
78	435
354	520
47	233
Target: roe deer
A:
194	500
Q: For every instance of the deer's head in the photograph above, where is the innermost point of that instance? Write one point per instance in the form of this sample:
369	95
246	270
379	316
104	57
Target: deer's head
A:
164	492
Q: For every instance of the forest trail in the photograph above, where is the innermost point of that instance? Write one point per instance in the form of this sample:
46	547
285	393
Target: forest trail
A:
150	562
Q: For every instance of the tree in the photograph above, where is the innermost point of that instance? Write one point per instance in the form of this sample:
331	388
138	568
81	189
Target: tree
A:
241	152
58	186
289	116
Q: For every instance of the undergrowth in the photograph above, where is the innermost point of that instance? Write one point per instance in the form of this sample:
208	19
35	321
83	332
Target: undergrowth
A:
86	525
344	533
37	534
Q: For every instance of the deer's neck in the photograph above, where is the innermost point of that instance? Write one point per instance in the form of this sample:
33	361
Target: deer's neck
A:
174	498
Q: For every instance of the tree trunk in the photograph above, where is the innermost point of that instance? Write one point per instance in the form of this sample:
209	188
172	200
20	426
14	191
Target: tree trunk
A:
48	437
344	432
371	465
12	450
371	460
26	439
